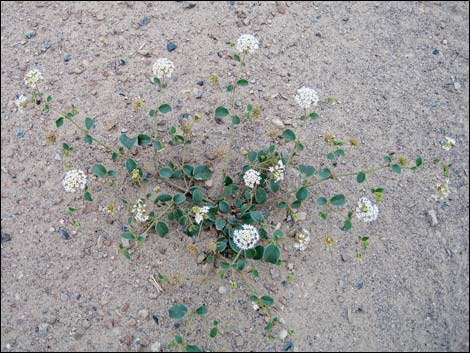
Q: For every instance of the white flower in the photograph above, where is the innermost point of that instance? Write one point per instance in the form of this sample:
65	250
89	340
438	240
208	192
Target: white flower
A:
246	237
247	44
251	178
199	213
139	211
21	102
278	171
442	191
73	180
163	67
32	78
449	144
302	239
306	97
366	210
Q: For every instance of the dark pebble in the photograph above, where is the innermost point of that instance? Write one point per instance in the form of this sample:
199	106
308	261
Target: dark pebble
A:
5	237
64	234
155	318
19	133
200	83
171	46
177	325
185	116
122	62
435	52
359	284
47	44
67	58
190	6
125	227
145	21
287	346
30	34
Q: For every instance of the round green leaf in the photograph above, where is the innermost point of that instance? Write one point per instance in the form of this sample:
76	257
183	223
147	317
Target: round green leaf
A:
321	201
193	348
127	141
88	139
179	198
89	123
242	83
59	122
224	207
257	216
361	177
272	254
177	312
260	196
164	108
87	196
202	172
99	170
338	200
166	172
221	244
221	112
307	170
396	168
266	300
288	135
220	223
197	197
128	235
202	310
235	120
162	229
144	140
274	185
302	194
130	165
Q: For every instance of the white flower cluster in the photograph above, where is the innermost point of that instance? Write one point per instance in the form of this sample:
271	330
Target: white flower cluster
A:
246	237
302	239
139	211
306	97
251	178
21	102
449	144
278	171
366	210
32	78
199	213
73	180
163	67
247	44
442	191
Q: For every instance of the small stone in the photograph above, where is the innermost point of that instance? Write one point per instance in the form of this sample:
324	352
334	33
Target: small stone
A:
30	34
64	234
432	218
77	335
201	257
238	103
5	237
57	157
67	58
200	83
43	328
51	320
343	284
143	314
170	46
223	290
19	133
275	273
47	44
283	334
290	266
288	346
301	216
278	123
100	17
435	52
246	21
132	323
86	324
360	284
209	183
156	347
143	22
457	85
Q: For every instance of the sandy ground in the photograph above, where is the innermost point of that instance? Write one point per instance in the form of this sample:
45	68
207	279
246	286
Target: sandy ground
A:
399	75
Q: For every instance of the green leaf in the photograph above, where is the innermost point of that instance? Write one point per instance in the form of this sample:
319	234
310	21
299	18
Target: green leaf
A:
278	234
157	145
197	197
242	82
59	122
193	348
235	120
260	196
124	251
274	186
179	198
339	153
130	165
346	226
330	156
88	139
128	235
321	201
221	112
266	300
144	140
188	170
49	99
224	207
202	172
388	159
66	147
249	108
164	108
178	339
282	204
307	170
127	141
396	168
229	88
224	265
177	312
221	244
296	204
166	172
202	310
313	116
302	194
89	123
361	177
236	57
152	113
288	135
220	223
112	173
99	170
324	173
252	156
241	264
87	196
214	331
338	200
419	162
257	216
163	198
157	81
272	254
162	229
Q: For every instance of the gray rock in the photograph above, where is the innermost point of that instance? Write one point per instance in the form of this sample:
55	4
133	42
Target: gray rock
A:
170	46
30	34
67	58
143	314
432	218
43	328
223	290
275	273
156	347
283	334
278	123
5	237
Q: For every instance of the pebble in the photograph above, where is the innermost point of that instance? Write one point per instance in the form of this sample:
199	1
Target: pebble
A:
278	123
47	44
360	284
432	218
200	83
290	266
5	237
86	324
64	234
301	216
64	297
275	273
57	157
156	347
19	133
132	322
209	183
435	52
287	346
283	334
343	284
67	58
145	21
143	314
43	328
457	85
30	34
223	290
201	257
170	46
